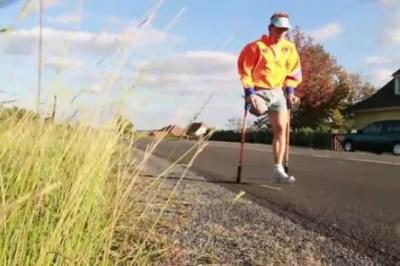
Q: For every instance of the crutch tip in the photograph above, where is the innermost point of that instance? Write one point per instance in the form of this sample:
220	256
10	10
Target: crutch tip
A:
239	174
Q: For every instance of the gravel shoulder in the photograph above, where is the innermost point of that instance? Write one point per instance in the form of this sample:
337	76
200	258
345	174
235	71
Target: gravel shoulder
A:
207	223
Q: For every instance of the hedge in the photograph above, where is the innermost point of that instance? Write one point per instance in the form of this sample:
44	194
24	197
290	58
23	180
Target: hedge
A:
302	137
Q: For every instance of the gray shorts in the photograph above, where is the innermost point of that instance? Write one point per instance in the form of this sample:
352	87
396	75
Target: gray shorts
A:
275	99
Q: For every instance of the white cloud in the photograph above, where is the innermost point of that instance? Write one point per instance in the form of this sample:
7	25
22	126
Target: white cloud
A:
63	63
389	3
381	68
95	88
191	72
380	77
390	34
378	60
185	81
24	41
80	51
327	32
71	18
51	3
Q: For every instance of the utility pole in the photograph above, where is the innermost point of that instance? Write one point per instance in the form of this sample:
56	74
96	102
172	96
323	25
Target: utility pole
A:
40	57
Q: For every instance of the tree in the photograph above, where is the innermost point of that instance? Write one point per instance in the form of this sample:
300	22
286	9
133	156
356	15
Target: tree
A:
234	124
360	90
326	88
320	71
337	119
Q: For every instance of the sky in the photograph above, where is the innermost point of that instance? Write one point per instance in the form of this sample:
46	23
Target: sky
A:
161	62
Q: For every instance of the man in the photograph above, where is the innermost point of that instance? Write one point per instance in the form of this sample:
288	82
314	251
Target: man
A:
267	67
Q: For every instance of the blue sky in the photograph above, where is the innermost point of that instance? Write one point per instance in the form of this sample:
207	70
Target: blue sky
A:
99	61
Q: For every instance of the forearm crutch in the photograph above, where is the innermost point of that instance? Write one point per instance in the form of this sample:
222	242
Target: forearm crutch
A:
242	141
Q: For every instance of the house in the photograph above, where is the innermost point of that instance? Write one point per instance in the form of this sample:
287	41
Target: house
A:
174	130
383	105
171	130
158	134
197	129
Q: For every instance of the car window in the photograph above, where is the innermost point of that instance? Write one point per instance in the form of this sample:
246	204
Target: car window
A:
372	129
393	128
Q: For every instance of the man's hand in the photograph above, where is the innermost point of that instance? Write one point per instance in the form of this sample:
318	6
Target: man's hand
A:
251	100
249	96
293	99
256	105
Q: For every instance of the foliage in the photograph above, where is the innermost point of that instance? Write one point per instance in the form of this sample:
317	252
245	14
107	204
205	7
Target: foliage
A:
17	114
234	124
64	194
319	137
125	126
327	89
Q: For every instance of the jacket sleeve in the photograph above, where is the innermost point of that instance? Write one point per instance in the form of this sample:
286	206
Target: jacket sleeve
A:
293	67
246	63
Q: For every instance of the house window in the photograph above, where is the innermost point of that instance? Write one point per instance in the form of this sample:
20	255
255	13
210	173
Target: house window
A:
397	86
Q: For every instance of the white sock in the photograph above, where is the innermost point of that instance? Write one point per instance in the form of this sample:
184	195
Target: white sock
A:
279	167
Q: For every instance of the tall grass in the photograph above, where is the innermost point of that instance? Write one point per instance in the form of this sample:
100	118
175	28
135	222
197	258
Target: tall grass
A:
61	192
64	190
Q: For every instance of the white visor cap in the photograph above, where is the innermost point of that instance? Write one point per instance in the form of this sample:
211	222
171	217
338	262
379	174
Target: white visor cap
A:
281	22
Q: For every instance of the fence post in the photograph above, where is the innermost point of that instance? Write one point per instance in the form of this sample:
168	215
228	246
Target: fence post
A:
336	140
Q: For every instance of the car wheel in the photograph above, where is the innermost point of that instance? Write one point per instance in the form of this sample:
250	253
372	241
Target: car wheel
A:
348	146
396	149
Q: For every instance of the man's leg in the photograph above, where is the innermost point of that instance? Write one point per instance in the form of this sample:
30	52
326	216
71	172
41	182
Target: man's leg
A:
278	121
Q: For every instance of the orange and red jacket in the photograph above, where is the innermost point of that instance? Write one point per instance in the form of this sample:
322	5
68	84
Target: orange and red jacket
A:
263	66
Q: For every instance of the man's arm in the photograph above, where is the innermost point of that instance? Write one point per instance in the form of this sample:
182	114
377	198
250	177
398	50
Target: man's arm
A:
293	68
294	77
247	60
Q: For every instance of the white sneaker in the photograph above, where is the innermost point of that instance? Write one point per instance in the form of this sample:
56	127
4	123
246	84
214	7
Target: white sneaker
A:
279	175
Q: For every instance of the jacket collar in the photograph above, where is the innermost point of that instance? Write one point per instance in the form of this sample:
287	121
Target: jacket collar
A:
267	40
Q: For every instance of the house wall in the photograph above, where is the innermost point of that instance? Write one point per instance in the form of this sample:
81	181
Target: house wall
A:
364	118
177	132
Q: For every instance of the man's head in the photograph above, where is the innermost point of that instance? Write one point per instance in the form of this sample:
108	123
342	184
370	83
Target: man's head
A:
279	26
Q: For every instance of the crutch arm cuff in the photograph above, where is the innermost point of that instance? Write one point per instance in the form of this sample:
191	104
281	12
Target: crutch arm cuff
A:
248	91
289	90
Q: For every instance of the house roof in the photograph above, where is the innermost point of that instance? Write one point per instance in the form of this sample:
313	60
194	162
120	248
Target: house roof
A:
383	98
194	127
172	130
396	73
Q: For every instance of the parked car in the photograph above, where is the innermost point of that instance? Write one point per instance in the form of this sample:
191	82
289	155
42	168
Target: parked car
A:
379	137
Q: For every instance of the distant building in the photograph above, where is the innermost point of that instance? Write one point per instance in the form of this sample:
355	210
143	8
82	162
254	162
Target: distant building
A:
383	105
171	130
158	134
174	130
197	129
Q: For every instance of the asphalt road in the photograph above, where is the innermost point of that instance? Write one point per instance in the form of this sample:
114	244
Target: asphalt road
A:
352	197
